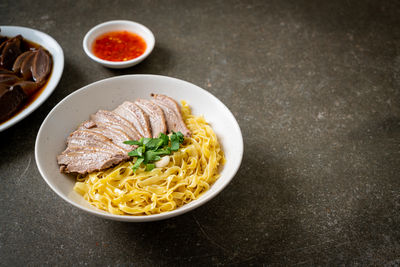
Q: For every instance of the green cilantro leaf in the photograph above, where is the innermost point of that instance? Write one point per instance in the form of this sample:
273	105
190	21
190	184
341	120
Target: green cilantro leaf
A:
154	143
164	138
176	140
150	150
151	155
133	143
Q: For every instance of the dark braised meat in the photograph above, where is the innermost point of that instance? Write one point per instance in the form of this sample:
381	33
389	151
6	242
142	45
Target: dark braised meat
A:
41	66
11	49
28	87
4	71
24	69
8	79
26	66
10	100
18	62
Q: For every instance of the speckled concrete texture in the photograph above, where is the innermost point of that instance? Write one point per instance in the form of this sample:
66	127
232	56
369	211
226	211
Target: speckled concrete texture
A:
315	87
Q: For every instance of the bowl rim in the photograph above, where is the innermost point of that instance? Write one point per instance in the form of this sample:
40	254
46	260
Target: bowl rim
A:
150	43
55	76
154	217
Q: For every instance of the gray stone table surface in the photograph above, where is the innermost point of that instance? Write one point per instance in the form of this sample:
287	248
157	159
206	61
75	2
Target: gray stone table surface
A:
315	87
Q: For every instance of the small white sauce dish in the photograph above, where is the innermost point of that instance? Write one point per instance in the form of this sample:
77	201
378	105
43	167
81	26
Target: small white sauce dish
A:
118	25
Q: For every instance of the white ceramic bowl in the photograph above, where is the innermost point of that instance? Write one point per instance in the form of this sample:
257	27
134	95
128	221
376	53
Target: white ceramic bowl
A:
58	66
108	94
118	25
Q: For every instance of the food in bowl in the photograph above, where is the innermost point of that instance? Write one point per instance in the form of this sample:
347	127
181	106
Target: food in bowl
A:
25	68
119	46
146	183
122	43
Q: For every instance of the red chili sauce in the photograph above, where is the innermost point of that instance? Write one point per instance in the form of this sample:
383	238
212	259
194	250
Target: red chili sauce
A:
119	46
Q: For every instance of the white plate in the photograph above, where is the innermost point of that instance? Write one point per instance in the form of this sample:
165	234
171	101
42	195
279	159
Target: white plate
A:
55	50
108	94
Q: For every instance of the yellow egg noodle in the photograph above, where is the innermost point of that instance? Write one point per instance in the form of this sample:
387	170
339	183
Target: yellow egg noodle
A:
191	171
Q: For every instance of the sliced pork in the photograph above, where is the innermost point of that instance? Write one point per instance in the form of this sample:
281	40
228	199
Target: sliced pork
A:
98	143
89	151
113	120
116	136
172	113
85	161
136	116
156	116
87	124
92	139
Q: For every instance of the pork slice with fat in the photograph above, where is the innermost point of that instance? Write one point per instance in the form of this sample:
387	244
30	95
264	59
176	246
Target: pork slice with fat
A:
92	139
172	114
117	137
158	123
116	122
136	116
89	151
85	161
